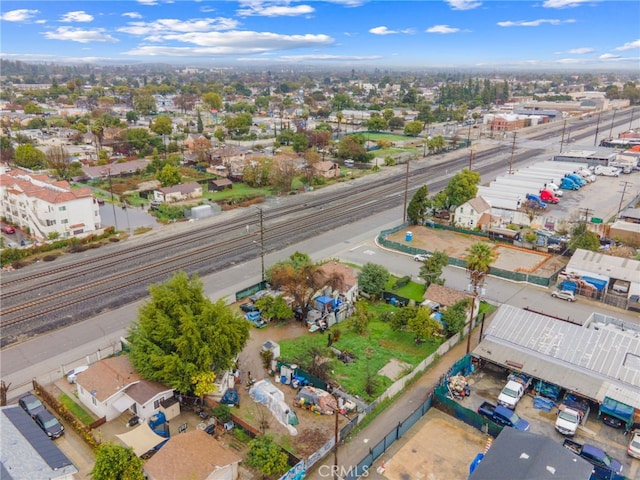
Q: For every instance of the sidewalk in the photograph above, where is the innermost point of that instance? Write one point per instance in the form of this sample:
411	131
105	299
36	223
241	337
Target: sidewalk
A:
357	447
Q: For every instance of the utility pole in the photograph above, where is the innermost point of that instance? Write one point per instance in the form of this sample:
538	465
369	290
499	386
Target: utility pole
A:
612	120
406	193
477	278
624	189
633	111
595	139
335	441
261	218
513	149
470	158
564	126
113	204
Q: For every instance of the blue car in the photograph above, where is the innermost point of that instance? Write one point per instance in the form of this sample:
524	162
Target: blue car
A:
256	319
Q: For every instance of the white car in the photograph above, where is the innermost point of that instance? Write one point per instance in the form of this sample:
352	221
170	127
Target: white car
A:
634	444
567	295
421	257
72	375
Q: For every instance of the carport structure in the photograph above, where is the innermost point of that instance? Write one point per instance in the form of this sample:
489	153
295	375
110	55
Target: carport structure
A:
598	360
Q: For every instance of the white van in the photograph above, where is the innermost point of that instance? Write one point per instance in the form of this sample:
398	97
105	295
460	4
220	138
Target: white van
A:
606	171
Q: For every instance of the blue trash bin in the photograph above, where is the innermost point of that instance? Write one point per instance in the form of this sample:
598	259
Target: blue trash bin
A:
409	236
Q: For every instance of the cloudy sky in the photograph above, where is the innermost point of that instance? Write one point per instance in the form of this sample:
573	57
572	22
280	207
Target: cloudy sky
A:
567	34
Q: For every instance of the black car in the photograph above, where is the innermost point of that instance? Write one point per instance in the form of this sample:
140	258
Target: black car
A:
49	424
31	404
249	307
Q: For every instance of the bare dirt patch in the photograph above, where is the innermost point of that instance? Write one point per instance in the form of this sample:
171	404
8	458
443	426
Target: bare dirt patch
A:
433	450
394	369
454	244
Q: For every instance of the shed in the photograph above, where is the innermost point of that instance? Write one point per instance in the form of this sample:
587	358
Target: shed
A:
273	347
170	407
201	211
220	184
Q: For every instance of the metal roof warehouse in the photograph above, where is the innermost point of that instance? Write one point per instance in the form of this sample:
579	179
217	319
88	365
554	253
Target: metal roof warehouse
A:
598	359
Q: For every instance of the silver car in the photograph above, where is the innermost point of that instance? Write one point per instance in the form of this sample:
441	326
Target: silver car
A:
567	295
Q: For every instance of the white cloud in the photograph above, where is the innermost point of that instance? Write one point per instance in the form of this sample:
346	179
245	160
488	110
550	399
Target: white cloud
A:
581	51
79	16
628	46
265	9
80	35
207	9
149	3
21	15
608	56
565	3
568	61
348	3
381	31
463	4
442	29
231	43
534	23
132	15
164	26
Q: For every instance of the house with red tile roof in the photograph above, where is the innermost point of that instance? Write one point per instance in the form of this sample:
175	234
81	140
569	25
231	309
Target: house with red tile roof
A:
45	206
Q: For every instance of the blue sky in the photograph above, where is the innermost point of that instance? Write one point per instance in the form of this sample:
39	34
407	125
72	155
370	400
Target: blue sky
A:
545	34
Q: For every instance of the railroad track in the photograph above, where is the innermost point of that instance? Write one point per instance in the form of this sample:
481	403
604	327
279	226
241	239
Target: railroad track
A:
64	294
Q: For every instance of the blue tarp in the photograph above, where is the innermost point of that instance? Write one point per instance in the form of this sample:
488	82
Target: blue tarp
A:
324	299
571	286
616	409
596	282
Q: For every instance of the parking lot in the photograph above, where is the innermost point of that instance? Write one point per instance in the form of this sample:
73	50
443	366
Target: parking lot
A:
486	384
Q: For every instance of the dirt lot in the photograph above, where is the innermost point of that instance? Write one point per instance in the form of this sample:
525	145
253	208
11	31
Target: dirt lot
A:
433	449
455	244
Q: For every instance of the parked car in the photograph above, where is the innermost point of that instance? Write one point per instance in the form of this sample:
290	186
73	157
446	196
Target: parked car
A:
567	295
421	257
633	450
8	229
249	307
72	375
99	201
31	404
49	424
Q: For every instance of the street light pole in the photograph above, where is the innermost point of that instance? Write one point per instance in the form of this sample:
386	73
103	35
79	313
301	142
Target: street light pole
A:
477	280
261	217
406	193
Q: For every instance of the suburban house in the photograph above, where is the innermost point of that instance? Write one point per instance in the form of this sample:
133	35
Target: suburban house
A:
111	386
27	452
118	169
443	296
197	142
346	284
177	193
44	206
469	214
327	169
195	455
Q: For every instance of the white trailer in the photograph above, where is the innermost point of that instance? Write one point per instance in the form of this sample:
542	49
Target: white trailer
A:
534	185
503	193
508	189
502	203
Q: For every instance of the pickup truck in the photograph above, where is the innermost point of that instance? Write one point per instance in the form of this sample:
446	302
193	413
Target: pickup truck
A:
603	463
503	416
573	412
516	387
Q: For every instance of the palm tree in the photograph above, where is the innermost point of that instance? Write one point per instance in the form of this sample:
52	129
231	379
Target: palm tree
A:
339	117
479	258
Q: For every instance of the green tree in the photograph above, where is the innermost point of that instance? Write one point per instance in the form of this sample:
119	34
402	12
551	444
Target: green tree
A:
387	114
180	333
199	123
275	308
212	100
6	149
238	125
59	161
350	147
463	186
582	238
32	109
455	317
266	456
401	317
396	123
359	322
162	126
145	104
376	123
431	269
169	176
115	462
413	128
300	142
30	157
132	116
479	258
139	138
419	206
373	278
423	326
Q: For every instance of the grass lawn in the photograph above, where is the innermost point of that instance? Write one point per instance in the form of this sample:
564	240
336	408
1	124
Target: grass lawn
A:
411	290
239	191
372	351
79	412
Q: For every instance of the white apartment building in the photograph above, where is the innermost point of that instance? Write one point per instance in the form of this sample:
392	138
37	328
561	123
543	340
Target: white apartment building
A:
41	205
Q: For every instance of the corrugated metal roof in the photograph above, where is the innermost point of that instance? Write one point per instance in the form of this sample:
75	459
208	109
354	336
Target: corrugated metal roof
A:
607	265
595	362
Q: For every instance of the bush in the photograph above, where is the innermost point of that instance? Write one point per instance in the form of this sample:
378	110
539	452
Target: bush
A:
401	282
